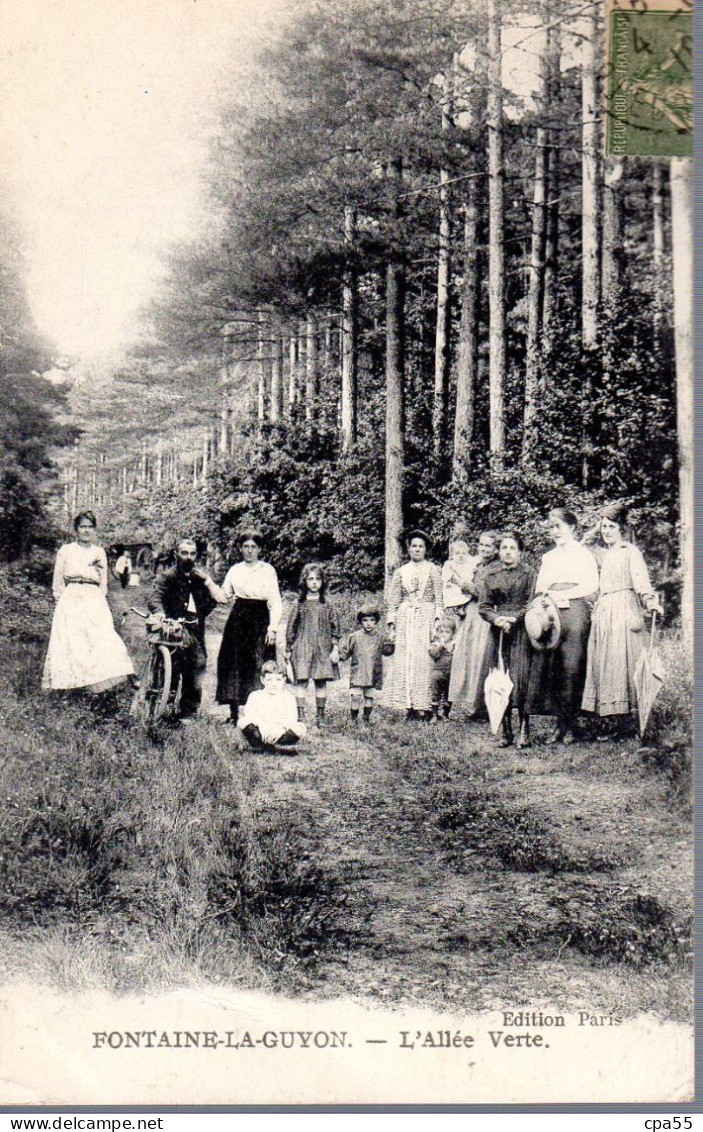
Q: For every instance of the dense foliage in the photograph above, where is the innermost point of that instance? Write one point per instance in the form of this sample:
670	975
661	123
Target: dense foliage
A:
29	406
307	133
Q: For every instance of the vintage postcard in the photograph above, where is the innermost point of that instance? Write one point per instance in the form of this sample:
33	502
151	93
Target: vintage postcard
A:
346	552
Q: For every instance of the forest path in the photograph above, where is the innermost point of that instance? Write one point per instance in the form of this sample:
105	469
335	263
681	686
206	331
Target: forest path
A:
467	876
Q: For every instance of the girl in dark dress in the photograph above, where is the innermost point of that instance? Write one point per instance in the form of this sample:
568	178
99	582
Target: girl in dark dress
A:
312	640
505	595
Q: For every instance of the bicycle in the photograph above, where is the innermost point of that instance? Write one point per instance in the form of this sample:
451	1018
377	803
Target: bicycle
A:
161	685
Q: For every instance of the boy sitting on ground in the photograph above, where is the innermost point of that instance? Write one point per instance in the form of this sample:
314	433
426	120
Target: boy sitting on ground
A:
270	717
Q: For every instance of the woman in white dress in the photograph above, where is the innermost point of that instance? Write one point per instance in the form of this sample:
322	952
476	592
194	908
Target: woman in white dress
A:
414	606
617	629
84	649
249	636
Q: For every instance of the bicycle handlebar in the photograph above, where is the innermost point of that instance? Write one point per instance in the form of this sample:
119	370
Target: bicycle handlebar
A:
146	616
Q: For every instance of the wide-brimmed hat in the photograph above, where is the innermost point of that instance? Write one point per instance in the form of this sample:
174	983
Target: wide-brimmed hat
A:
369	611
542	623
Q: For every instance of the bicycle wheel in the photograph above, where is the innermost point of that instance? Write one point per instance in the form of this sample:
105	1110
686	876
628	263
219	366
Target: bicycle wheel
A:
176	683
161	683
152	695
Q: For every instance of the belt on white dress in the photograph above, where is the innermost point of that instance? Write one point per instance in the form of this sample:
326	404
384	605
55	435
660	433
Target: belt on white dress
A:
81	582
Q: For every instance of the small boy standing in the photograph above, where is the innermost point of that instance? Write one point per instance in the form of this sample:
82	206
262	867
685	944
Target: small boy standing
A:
442	652
365	649
270	717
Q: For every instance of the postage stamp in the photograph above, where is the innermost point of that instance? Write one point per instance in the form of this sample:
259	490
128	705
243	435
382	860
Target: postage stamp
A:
649	78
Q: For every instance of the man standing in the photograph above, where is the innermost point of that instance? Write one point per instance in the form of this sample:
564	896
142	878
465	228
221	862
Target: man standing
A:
188	592
123	568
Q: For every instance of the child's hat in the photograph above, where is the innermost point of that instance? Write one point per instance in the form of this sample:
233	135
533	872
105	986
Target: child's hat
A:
369	611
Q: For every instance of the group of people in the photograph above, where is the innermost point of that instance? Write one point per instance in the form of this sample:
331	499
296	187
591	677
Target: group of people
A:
569	635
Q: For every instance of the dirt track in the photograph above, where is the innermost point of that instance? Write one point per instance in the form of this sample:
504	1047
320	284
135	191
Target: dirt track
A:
467	876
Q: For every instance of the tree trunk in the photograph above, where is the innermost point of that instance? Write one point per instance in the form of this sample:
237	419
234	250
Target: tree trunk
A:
301	367
395	376
496	248
535	296
551	247
441	354
224	423
682	264
292	371
350	334
277	376
612	233
312	377
263	359
590	140
589	171
467	361
206	455
657	249
328	346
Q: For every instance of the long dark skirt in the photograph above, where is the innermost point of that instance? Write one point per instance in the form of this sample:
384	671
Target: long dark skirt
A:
557	676
243	651
517	658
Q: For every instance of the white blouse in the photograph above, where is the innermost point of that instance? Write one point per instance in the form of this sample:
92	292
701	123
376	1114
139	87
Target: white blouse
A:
255	582
273	713
82	563
571	568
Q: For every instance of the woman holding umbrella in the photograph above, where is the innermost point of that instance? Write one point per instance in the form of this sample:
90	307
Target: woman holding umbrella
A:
569	576
414	607
617	629
505	596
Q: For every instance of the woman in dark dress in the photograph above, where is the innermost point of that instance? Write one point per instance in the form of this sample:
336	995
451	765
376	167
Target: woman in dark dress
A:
506	592
569	576
249	637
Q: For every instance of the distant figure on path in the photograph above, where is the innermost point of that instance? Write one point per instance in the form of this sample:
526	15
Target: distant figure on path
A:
84	649
414	606
189	593
249	637
123	568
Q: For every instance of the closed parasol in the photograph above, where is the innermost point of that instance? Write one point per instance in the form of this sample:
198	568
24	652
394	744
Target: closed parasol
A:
648	678
497	689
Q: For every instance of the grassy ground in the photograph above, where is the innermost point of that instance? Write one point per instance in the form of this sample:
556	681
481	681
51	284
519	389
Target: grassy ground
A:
402	863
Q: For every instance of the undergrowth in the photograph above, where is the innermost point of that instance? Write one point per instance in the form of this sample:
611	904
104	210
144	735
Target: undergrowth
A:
136	844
